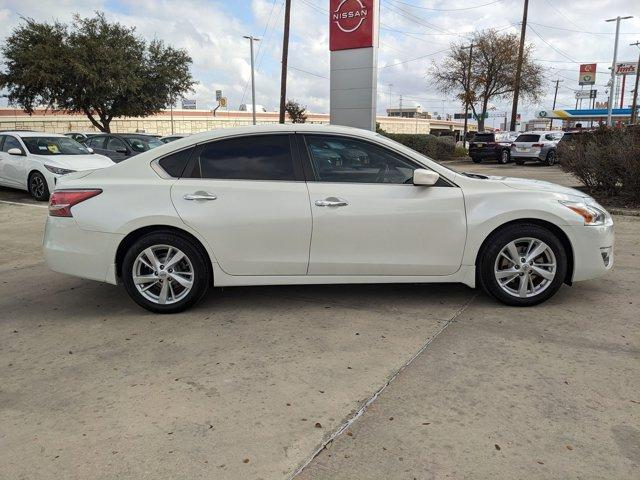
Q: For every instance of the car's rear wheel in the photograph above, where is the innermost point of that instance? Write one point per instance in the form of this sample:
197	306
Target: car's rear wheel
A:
38	187
504	157
523	265
476	159
165	272
551	158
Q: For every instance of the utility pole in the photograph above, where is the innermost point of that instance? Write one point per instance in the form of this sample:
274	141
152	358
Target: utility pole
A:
613	65
401	114
516	87
285	58
467	94
634	104
253	78
555	96
390	85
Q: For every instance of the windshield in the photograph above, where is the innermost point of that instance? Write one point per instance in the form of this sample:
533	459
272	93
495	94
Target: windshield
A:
54	146
142	144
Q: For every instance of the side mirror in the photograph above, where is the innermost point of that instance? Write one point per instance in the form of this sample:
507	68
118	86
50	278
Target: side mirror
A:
89	149
15	151
424	177
122	150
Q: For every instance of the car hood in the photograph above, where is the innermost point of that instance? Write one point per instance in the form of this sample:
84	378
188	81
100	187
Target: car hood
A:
76	162
538	185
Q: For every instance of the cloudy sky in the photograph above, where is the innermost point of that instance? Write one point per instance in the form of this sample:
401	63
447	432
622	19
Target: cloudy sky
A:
413	34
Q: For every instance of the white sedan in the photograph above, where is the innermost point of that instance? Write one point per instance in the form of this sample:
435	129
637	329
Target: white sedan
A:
313	204
34	161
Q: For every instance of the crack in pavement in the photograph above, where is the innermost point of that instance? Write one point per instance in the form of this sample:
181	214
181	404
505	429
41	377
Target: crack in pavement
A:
363	408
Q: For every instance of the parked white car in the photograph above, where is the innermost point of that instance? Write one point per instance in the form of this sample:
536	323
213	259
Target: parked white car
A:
282	205
34	161
537	146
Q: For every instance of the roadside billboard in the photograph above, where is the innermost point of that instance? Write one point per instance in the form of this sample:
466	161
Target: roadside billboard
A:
188	104
587	74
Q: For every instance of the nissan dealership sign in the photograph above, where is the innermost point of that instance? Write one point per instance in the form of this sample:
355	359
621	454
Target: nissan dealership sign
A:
353	41
351	24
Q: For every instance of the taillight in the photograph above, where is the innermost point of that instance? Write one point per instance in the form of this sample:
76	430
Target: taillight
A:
61	201
537	145
513	145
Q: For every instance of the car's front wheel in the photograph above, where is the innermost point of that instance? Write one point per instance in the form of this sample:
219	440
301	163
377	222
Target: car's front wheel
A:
504	157
523	265
165	272
551	158
38	187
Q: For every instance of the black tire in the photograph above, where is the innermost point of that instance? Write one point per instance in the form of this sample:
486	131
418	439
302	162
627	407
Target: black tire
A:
505	157
476	159
489	257
199	264
550	159
38	188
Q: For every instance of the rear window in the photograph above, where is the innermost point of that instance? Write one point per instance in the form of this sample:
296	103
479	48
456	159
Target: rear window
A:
483	137
528	138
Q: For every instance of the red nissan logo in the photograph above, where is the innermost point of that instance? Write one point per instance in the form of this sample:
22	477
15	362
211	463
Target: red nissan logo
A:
349	15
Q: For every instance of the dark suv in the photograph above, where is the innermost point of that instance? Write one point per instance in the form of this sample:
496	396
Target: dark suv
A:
492	146
122	146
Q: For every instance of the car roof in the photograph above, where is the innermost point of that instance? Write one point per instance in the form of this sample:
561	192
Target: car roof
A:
23	133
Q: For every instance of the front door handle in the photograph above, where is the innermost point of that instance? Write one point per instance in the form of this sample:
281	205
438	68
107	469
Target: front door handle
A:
200	196
332	202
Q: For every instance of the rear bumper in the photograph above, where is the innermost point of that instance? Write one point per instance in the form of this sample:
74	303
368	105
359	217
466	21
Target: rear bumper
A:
535	155
82	253
589	243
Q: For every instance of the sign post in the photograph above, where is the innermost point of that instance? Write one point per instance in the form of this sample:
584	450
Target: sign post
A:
353	42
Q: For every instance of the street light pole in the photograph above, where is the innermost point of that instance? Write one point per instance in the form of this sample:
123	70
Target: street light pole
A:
253	80
613	65
634	104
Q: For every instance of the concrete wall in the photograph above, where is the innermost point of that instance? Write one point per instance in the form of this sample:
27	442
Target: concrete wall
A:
193	121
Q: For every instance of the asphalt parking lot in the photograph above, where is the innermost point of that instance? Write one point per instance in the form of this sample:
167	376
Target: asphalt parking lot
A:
398	381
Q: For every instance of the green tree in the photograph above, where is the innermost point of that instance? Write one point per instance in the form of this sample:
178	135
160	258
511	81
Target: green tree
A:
493	68
101	69
296	112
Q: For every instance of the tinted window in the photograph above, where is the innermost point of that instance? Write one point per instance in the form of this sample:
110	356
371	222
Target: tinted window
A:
260	157
528	138
142	144
96	142
174	164
483	137
115	143
344	159
10	142
553	136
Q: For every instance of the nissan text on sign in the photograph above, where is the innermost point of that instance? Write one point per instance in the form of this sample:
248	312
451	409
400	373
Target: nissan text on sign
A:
353	41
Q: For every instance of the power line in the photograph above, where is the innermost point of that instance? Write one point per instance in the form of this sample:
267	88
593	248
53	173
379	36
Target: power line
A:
415	19
446	9
554	48
414	59
580	31
306	71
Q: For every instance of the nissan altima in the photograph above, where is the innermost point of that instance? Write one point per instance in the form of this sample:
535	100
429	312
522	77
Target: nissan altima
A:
285	204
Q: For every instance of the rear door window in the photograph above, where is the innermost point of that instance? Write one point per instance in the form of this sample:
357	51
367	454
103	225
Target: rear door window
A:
483	137
175	163
115	143
255	157
96	142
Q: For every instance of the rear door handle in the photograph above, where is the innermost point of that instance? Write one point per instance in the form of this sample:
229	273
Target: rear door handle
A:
331	202
200	196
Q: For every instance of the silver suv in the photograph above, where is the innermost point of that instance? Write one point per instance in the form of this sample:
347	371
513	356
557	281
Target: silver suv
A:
538	146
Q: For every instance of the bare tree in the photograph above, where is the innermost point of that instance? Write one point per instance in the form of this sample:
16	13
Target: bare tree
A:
493	68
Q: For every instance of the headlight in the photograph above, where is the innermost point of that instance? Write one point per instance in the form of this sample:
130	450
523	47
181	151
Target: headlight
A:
58	170
591	214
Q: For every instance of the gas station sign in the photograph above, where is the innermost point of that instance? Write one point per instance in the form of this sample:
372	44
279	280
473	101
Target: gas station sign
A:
587	74
350	24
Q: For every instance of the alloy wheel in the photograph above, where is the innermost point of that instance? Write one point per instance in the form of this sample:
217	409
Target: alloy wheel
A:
37	186
163	274
525	267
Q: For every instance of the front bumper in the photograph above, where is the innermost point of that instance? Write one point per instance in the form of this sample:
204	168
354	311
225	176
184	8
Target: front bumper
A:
589	243
82	253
